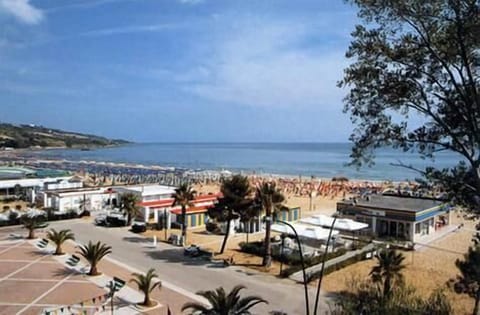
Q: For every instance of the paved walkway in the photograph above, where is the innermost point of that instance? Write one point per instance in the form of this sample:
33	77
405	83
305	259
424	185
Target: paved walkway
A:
183	274
298	276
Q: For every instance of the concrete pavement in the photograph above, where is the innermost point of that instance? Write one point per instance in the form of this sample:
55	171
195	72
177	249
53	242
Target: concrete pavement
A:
190	274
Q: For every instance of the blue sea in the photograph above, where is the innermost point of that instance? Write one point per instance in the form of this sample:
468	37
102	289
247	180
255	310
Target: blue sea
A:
323	160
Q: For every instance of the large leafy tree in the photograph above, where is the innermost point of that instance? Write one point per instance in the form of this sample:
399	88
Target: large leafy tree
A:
93	253
236	199
223	303
388	271
130	206
60	237
146	283
271	201
469	267
418	61
184	196
33	222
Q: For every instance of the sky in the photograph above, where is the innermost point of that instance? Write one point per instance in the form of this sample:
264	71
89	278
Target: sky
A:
177	70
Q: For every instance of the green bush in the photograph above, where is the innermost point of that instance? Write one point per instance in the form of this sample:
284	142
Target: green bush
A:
294	261
335	267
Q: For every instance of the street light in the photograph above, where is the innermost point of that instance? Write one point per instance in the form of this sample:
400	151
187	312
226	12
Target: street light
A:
305	285
323	264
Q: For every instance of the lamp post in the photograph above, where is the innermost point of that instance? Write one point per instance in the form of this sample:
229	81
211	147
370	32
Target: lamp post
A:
317	297
305	285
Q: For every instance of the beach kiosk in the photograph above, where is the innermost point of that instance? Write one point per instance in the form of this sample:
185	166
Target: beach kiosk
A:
403	218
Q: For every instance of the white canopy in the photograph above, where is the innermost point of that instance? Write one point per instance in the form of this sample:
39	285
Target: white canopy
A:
31	212
305	231
340	224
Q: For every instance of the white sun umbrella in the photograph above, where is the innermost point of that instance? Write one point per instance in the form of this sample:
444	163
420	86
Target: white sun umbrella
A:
340	224
35	212
350	225
304	231
282	228
316	233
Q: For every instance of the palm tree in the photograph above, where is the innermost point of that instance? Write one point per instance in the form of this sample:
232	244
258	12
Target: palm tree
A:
146	285
235	191
93	253
224	304
388	270
130	206
32	223
59	238
271	200
184	196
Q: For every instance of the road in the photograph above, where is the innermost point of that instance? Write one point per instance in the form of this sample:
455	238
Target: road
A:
192	274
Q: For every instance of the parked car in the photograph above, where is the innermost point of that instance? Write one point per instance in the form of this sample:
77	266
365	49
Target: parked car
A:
192	251
139	227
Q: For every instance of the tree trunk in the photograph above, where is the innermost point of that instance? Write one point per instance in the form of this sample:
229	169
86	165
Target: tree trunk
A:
146	300
184	225
58	250
31	234
227	232
267	258
93	270
476	309
386	287
129	219
248	230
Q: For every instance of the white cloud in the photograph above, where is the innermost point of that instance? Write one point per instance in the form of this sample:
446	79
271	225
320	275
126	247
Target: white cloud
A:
191	1
128	29
273	64
22	10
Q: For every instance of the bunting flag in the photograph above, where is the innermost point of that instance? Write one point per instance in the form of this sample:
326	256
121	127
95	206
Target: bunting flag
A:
169	312
82	304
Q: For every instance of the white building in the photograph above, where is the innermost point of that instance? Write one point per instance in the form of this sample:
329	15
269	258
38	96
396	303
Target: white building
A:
64	200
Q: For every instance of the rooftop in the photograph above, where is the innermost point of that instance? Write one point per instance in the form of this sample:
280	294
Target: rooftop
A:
394	203
147	190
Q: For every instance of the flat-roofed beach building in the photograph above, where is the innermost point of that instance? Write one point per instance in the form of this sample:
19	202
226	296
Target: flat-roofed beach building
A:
78	199
403	218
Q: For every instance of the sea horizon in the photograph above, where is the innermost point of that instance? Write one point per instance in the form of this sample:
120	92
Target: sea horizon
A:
318	159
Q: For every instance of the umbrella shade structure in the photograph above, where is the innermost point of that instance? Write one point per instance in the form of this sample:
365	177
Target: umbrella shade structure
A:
316	233
340	224
305	231
31	212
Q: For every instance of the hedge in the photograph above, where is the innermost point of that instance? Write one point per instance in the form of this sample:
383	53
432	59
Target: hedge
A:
257	248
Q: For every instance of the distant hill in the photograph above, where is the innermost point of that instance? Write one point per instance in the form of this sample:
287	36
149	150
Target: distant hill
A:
27	136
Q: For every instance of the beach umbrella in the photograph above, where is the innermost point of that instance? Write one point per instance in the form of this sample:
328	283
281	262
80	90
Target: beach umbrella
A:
316	233
340	224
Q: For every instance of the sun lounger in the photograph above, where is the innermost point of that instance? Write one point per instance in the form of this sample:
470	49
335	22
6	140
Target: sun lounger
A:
73	261
119	283
42	243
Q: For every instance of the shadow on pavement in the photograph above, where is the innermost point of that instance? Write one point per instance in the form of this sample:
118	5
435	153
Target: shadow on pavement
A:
136	239
176	256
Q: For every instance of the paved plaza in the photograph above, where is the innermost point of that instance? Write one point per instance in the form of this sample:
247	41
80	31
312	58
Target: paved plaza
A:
32	281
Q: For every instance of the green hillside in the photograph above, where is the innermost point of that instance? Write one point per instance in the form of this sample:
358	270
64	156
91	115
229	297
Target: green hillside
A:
26	136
